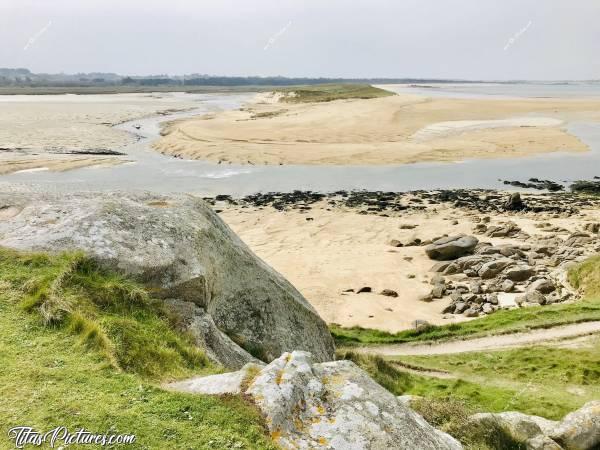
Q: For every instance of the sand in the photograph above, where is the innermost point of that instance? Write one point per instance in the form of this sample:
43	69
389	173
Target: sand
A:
37	131
393	130
341	249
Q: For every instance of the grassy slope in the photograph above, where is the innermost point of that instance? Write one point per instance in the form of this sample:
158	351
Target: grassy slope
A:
85	348
544	381
331	92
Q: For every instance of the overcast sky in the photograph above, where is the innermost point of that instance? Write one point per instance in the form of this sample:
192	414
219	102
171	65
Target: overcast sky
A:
467	39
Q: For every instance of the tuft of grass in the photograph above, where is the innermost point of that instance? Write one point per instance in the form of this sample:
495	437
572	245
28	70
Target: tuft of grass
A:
586	276
108	312
95	365
331	92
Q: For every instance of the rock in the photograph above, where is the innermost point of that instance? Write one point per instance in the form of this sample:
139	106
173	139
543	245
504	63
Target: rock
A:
579	239
395	243
336	405
542	443
579	430
364	290
487	308
449	309
493	268
517	426
427	298
476	287
543	285
508	229
407	399
519	273
452	247
438	291
535	297
438	279
493	299
389	293
471	312
507	286
231	383
219	347
514	202
456	296
178	247
460	307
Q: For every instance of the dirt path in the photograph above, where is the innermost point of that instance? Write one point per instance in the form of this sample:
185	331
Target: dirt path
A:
486	343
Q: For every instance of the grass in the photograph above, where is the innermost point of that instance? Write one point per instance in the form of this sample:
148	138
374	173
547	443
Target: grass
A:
586	276
82	347
331	92
501	322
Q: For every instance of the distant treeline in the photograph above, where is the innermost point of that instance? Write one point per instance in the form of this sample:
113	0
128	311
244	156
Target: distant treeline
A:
24	77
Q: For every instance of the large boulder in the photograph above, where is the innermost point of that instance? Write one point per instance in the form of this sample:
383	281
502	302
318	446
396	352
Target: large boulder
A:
580	430
334	405
518	427
452	247
180	249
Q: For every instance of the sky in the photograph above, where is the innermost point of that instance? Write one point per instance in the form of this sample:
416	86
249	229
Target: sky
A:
459	39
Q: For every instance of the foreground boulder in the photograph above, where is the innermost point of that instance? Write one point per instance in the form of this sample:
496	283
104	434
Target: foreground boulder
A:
579	430
452	247
334	405
180	249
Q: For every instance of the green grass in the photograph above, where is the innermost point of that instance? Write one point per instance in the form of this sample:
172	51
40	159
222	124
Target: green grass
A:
501	322
82	347
331	92
586	276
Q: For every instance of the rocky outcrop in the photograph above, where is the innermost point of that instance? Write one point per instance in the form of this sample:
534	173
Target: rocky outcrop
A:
579	430
180	249
334	405
452	247
219	347
516	426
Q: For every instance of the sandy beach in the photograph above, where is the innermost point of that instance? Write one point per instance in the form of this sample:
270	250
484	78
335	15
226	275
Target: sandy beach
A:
399	129
327	250
49	131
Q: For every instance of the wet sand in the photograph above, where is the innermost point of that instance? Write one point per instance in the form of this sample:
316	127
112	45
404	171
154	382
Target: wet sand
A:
47	132
394	130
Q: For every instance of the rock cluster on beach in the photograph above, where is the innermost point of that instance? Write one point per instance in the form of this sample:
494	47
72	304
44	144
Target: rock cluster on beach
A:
381	203
492	276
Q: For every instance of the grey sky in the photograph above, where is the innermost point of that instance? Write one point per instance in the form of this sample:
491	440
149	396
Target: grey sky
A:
348	38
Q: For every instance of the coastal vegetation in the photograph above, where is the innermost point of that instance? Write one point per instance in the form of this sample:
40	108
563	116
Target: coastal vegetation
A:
330	92
88	348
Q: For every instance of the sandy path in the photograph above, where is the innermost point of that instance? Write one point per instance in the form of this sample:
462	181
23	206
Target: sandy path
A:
533	337
393	130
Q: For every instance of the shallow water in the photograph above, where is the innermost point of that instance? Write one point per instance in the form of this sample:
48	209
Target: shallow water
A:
155	172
